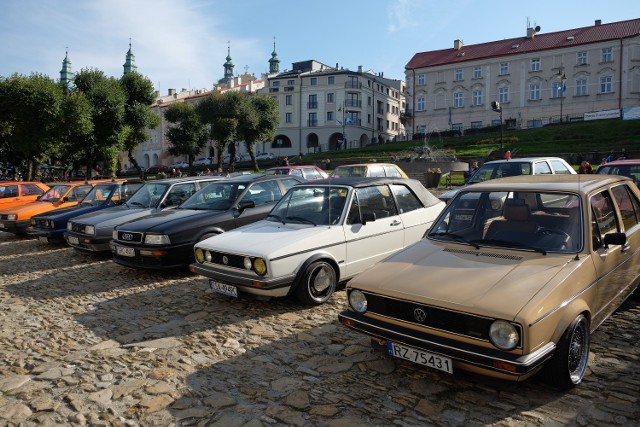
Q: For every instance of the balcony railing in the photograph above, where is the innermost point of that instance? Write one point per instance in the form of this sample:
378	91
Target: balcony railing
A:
353	85
353	103
312	123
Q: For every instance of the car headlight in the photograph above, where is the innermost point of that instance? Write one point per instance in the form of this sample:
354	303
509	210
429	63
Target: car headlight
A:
33	222
12	217
69	226
114	235
260	266
358	301
199	253
90	229
157	239
503	335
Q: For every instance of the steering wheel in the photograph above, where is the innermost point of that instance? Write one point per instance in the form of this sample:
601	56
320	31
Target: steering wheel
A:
551	231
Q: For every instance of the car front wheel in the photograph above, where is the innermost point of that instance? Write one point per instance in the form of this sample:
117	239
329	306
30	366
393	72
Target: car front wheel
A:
568	365
318	283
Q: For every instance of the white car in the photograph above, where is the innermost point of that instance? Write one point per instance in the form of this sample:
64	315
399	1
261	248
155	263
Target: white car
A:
179	165
513	167
265	156
202	161
320	234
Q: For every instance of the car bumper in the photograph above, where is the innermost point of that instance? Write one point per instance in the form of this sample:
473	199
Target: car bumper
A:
88	243
154	258
492	362
45	235
276	287
16	227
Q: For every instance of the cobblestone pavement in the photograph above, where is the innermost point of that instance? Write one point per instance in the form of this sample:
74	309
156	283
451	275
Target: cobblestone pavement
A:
84	341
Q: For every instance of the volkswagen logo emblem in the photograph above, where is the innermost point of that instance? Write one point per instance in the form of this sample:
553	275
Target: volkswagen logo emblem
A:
225	260
419	315
127	236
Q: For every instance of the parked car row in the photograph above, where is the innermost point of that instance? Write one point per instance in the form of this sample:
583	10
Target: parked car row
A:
507	279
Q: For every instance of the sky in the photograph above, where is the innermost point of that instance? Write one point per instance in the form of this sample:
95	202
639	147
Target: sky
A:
182	44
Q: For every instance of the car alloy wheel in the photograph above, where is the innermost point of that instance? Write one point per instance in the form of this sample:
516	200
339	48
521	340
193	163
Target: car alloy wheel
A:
569	364
318	283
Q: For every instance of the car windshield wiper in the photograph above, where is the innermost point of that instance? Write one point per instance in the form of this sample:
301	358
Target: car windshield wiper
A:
277	217
510	244
457	238
299	218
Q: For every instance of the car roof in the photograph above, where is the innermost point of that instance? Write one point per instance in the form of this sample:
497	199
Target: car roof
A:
186	179
622	162
366	164
293	167
258	177
523	159
578	183
358	182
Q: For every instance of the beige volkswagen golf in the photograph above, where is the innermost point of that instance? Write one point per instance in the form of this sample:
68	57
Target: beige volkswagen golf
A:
513	277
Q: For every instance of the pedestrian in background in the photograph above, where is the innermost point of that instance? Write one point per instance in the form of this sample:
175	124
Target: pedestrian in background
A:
585	167
507	155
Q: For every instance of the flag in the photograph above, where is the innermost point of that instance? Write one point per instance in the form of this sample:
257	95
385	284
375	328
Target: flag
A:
349	121
564	87
339	122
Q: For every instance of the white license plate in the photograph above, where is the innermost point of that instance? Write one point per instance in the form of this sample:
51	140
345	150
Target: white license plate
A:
1	224
43	239
420	357
124	251
223	288
73	240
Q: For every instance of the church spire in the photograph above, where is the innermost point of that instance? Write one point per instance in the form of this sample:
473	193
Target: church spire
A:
228	66
274	62
66	75
130	63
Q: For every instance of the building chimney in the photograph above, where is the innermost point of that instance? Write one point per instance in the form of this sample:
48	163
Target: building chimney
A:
598	22
359	68
457	44
172	92
530	33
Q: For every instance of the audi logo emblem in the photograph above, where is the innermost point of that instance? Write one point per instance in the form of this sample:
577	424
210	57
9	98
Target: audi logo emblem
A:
419	315
127	236
225	260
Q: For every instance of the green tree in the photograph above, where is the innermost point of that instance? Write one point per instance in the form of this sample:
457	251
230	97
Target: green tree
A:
29	111
107	101
223	113
259	123
76	126
189	135
138	116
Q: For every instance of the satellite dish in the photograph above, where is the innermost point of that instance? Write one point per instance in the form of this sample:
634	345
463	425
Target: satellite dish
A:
537	28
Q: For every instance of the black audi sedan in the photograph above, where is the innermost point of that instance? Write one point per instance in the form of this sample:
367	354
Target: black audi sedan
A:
165	240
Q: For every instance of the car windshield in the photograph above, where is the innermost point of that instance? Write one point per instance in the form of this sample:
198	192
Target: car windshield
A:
349	171
100	194
148	196
277	172
539	221
55	193
311	205
215	196
500	170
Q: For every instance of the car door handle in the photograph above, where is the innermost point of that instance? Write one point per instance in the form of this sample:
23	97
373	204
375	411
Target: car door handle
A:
395	222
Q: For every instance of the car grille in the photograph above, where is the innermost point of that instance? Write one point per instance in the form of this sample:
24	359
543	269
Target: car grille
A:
4	216
464	324
131	237
234	261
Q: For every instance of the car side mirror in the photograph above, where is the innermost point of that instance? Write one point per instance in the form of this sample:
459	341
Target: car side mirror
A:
615	239
368	217
245	204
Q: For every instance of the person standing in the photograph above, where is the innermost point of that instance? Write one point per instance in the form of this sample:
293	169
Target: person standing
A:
507	155
585	167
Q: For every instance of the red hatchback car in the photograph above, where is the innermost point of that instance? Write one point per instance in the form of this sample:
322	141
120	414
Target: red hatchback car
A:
306	172
628	167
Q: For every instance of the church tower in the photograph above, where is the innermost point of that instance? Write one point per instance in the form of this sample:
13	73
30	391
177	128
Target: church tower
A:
66	75
130	62
274	62
228	67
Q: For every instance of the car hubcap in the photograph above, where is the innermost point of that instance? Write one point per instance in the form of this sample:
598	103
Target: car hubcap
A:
578	353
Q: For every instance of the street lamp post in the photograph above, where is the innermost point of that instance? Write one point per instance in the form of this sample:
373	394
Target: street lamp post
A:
495	106
563	80
344	138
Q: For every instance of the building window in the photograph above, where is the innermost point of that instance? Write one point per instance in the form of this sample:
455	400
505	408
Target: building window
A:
329	116
503	95
476	125
352	82
421	80
313	120
581	87
607	54
288	118
288	99
534	92
504	68
458	100
313	101
330	97
457	74
606	84
275	83
477	97
421	104
457	126
313	81
291	82
477	72
331	80
535	64
556	90
581	58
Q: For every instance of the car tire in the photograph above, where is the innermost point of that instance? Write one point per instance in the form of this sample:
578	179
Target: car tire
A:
318	283
567	367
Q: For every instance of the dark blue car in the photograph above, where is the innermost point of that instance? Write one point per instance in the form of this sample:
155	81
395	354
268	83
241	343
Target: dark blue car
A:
51	226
